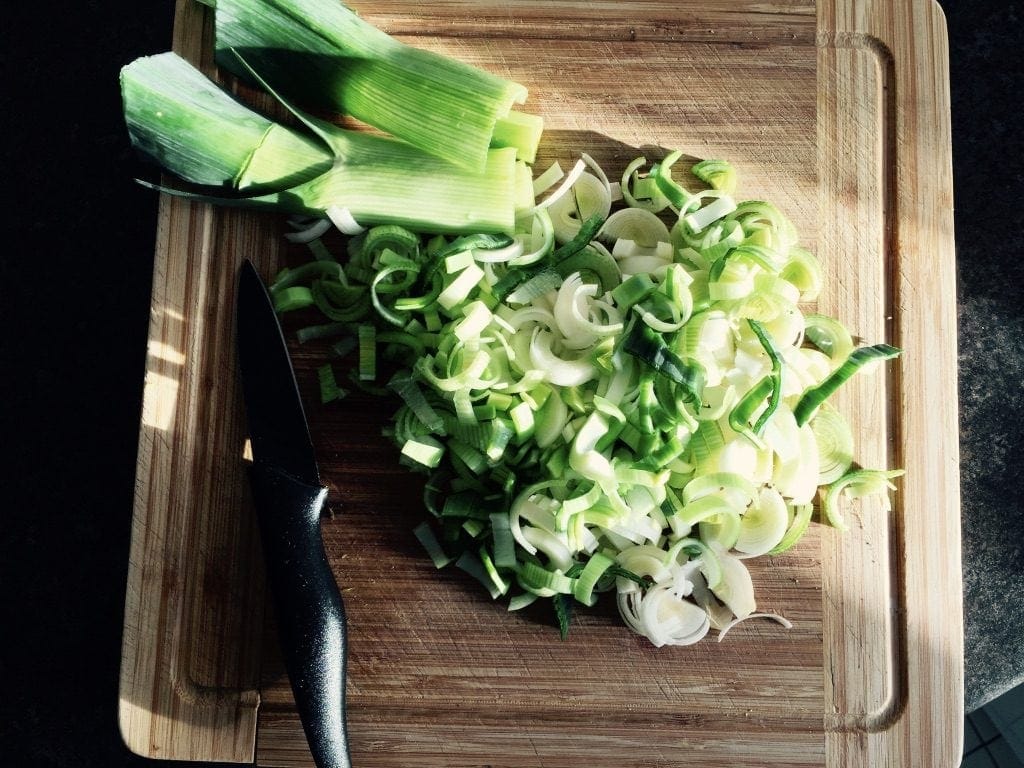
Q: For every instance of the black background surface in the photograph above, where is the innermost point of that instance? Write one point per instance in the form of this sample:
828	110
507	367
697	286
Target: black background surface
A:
74	298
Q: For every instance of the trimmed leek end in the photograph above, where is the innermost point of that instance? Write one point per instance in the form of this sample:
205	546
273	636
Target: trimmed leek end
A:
521	131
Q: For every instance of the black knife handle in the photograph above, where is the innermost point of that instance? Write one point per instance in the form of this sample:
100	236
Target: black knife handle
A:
310	613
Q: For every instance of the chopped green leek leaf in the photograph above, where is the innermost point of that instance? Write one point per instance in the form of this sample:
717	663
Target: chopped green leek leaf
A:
645	344
293	298
813	398
329	389
428	539
563	611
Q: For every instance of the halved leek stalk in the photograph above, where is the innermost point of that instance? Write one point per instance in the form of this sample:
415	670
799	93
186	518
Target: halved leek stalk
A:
323	54
197	131
192	127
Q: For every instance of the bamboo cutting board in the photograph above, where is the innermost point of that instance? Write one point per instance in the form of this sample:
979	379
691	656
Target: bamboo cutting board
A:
839	113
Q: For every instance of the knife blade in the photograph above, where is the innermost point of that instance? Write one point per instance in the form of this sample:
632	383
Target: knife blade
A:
289	498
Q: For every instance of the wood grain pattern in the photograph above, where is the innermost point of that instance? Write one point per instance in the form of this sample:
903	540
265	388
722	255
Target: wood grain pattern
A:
193	617
902	47
838	113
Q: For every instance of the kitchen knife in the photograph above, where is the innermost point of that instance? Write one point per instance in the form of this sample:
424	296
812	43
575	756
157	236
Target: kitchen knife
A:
289	498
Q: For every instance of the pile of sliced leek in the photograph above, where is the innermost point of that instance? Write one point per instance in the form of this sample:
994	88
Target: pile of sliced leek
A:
623	395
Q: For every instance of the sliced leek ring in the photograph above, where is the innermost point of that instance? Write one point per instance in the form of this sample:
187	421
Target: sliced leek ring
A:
835	444
764	524
587	196
635	224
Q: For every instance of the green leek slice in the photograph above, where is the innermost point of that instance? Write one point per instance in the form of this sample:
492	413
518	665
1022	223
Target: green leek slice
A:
812	399
855	484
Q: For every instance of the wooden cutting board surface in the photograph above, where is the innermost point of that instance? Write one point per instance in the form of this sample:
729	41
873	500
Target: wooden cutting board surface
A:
838	113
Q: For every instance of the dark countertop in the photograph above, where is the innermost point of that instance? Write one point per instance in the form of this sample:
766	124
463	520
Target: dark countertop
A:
988	176
74	296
